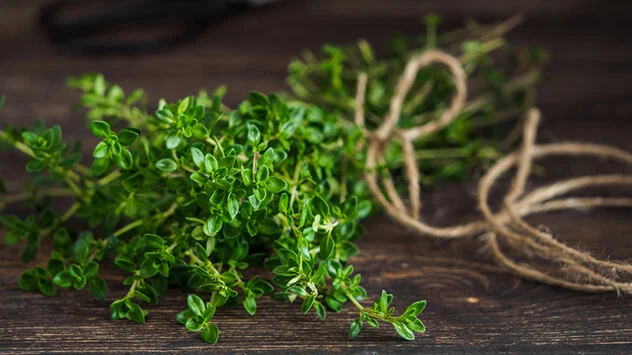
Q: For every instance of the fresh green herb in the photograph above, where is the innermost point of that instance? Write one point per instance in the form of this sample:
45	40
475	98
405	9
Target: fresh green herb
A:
192	196
502	81
195	193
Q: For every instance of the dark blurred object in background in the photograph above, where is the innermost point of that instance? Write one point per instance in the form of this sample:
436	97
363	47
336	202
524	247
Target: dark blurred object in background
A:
98	27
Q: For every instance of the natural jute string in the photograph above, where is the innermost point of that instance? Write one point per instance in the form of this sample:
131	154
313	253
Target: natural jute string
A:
573	269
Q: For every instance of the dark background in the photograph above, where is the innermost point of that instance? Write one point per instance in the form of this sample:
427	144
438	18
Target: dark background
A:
473	306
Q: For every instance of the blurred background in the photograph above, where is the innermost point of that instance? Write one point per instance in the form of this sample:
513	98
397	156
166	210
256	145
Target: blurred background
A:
586	83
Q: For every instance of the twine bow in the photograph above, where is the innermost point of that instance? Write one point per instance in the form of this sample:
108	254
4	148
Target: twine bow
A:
583	271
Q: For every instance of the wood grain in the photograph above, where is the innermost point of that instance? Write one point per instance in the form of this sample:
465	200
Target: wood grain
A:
473	306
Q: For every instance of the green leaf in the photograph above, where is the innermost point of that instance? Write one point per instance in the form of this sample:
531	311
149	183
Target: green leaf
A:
125	159
372	322
301	292
148	268
229	277
167	165
194	324
199	130
127	137
258	99
81	249
246	176
55	266
136	314
91	270
100	166
415	308
210	334
283	203
47	288
307	303
355	328
313	135
288	129
319	274
98	288
210	163
28	281
63	279
165	116
228	163
34	166
213	226
267	158
233	207
209	312
101	150
382	302
125	263
196	305
198	157
153	241
13	238
79	280
134	97
184	316
260	194
31	139
254	135
173	142
142	296
416	325
305	212
10	221
115	93
403	331
349	206
333	304
275	184
250	305
100	129
262	174
184	105
241	251
327	247
115	148
201	252
199	178
320	310
218	300
320	206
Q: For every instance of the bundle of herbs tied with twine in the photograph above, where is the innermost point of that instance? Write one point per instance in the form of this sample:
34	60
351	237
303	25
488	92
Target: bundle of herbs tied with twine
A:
197	195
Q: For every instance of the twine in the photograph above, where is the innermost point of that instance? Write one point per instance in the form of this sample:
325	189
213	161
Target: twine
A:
504	232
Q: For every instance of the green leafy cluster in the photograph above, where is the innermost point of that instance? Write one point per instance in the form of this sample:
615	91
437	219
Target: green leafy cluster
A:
195	194
198	318
502	85
200	196
406	325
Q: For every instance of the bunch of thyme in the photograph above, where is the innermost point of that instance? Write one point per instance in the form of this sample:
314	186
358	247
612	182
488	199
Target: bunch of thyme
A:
502	83
194	193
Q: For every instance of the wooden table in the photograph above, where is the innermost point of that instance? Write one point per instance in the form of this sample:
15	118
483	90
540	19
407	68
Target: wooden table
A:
473	306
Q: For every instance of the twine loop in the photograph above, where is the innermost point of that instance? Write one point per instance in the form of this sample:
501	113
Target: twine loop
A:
503	230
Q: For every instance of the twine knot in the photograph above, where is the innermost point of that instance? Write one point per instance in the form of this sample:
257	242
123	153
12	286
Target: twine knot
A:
583	272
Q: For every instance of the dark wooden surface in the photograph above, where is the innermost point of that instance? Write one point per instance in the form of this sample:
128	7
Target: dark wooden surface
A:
472	306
